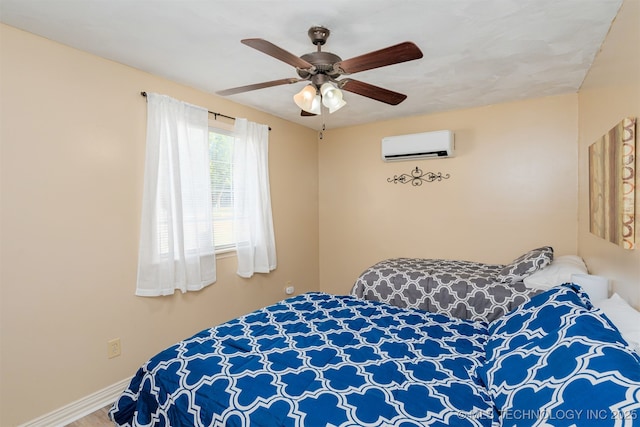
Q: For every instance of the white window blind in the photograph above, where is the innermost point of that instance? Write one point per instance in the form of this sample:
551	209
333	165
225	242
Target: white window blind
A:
221	173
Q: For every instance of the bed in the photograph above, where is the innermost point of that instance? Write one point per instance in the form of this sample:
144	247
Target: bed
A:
324	360
457	288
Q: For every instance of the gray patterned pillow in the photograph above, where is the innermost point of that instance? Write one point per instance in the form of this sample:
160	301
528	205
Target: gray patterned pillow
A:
526	264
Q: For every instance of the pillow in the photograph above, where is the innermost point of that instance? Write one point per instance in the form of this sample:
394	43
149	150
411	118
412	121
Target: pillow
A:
556	273
556	357
624	317
526	264
542	315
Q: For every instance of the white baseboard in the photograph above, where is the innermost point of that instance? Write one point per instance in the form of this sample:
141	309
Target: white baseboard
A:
80	408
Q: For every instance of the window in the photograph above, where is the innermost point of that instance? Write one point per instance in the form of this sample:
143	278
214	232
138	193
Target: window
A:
221	171
197	175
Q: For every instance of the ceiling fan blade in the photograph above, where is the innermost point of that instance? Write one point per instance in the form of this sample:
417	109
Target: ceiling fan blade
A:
277	52
255	86
370	91
396	54
306	114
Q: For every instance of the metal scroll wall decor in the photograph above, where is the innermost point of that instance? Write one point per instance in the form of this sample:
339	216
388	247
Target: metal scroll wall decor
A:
612	185
417	177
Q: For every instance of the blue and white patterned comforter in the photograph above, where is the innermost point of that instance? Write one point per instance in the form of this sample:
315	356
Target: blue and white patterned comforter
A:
324	360
317	360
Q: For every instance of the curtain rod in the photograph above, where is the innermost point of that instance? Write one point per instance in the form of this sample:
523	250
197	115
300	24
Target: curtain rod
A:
215	115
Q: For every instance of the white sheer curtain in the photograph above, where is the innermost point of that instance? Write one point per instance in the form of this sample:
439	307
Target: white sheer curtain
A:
176	238
253	222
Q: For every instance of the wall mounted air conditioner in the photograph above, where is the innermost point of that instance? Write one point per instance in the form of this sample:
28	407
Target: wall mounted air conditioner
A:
438	144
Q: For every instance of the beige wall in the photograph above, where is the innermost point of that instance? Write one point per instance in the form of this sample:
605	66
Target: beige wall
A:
73	133
513	187
610	92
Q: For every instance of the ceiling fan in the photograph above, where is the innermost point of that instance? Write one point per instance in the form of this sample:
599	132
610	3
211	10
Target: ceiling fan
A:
322	70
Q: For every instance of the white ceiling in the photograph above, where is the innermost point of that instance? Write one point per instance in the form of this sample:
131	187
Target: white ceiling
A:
476	52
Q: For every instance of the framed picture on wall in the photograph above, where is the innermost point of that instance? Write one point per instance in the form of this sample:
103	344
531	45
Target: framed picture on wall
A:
612	181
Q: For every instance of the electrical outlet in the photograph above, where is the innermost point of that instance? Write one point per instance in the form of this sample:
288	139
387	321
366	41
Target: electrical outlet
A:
113	348
289	290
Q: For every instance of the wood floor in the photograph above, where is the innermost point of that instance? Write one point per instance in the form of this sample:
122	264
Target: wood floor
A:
96	419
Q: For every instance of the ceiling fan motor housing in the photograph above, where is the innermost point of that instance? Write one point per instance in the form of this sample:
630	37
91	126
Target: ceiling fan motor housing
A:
323	63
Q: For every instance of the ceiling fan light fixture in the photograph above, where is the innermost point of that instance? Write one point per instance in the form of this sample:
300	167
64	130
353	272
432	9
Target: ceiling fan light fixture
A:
308	99
332	97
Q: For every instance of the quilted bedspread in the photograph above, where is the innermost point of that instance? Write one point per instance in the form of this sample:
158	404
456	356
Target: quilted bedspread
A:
463	289
317	360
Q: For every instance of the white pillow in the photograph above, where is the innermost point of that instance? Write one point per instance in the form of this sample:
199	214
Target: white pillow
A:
556	273
625	317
